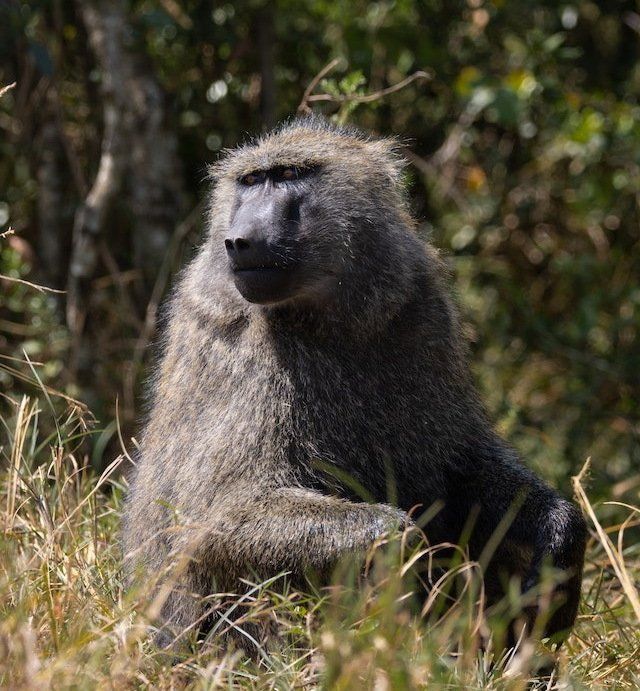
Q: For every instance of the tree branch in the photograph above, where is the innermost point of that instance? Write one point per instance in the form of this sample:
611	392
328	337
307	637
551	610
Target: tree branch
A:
309	97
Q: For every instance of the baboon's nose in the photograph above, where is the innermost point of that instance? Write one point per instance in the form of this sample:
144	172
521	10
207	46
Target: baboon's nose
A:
255	253
236	246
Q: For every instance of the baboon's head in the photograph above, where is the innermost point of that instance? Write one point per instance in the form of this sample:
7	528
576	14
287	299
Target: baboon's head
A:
303	210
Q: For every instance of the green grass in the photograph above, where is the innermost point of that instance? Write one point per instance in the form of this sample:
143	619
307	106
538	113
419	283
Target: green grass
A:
65	621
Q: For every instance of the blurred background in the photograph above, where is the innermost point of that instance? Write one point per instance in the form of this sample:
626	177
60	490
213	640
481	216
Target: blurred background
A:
524	151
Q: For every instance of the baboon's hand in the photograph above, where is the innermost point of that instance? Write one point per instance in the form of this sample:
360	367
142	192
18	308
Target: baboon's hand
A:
390	519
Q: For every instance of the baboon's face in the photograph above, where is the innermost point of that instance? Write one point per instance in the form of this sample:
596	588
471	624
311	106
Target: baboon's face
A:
287	210
265	239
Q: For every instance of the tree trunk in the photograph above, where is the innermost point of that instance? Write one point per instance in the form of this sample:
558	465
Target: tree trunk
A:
52	235
155	180
137	147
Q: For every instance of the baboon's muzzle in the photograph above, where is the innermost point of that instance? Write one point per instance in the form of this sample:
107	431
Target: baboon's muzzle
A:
259	249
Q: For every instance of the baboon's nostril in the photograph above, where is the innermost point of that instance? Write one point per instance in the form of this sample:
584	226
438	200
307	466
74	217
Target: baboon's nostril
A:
236	246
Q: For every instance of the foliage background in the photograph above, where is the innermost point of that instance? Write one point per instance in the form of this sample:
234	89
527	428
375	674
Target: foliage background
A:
524	169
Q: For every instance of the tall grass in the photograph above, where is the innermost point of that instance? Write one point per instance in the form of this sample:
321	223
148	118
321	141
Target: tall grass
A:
66	622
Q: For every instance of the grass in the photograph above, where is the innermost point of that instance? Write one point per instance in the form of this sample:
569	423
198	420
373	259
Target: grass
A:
66	622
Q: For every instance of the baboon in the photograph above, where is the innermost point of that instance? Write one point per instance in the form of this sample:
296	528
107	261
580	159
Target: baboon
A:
314	331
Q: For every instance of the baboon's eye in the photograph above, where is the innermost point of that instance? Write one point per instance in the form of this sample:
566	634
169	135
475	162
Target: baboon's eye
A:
254	178
290	173
287	173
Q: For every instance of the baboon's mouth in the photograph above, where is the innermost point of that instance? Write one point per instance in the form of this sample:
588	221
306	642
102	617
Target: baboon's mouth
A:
264	283
251	269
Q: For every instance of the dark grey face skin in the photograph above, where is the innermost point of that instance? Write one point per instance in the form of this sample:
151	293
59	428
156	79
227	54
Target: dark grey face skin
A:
263	238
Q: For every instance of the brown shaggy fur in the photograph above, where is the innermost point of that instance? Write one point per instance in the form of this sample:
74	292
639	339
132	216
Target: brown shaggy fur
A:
363	370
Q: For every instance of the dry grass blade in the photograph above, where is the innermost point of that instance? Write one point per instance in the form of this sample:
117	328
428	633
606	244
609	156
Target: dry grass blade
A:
615	556
66	622
27	410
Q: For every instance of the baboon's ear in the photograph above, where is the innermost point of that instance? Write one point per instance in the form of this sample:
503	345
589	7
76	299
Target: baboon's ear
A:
217	170
388	153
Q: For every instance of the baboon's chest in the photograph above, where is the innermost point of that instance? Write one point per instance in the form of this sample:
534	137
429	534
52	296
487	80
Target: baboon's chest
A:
352	421
303	414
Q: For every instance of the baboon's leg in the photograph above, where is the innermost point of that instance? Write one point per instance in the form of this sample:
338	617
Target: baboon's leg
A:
182	611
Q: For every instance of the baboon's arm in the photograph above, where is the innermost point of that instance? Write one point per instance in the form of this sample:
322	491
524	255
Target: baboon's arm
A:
251	533
295	529
551	527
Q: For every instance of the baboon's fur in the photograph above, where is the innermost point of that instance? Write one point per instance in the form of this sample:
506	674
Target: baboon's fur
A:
373	381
